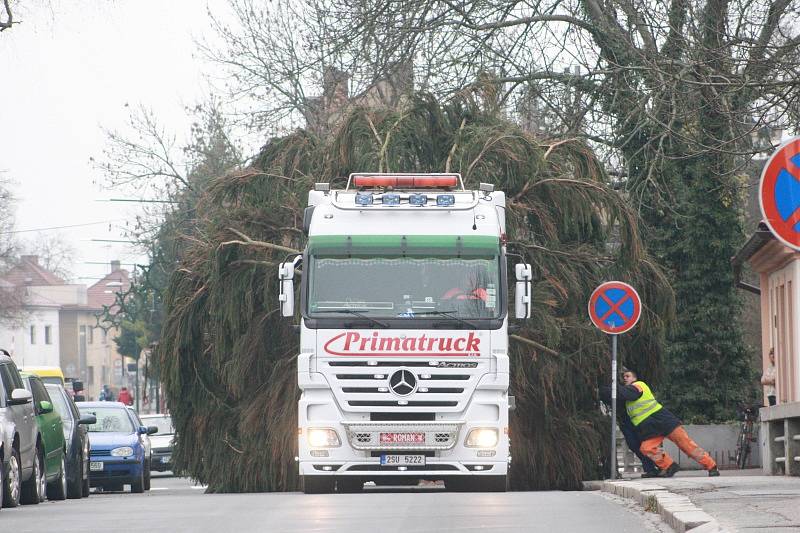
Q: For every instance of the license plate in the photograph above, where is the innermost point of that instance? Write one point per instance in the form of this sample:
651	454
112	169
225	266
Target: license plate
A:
165	459
402	460
94	466
402	438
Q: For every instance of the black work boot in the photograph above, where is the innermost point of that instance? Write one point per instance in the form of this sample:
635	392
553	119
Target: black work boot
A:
670	471
713	472
652	473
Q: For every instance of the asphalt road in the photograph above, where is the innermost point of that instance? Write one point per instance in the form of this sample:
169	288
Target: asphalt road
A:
175	504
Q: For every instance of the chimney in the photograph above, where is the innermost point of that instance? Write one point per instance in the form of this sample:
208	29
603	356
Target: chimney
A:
115	265
34	259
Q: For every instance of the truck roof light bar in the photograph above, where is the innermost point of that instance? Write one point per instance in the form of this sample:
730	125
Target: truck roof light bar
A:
405	181
486	187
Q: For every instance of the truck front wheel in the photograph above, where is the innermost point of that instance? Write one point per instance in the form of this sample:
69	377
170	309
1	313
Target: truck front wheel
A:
476	484
318	484
349	485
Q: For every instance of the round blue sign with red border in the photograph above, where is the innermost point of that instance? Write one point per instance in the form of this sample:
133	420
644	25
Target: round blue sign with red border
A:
779	193
615	307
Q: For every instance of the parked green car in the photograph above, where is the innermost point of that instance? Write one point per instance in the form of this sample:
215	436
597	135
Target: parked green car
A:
53	481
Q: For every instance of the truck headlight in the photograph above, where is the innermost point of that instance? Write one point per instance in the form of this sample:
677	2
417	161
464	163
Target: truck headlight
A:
125	451
482	438
323	438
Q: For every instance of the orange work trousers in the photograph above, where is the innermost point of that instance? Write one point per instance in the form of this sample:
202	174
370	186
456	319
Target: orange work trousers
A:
652	448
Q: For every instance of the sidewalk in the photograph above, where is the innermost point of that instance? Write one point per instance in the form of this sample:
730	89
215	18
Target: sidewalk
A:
736	501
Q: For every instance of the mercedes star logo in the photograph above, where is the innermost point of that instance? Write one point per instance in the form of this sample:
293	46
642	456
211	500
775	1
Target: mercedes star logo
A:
403	382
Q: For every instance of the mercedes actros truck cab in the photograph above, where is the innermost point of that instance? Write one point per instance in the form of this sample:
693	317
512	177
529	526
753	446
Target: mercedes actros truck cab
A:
403	365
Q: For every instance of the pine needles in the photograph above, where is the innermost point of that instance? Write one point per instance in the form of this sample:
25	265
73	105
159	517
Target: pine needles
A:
228	359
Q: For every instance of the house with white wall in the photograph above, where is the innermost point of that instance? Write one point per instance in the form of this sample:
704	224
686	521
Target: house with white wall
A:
778	269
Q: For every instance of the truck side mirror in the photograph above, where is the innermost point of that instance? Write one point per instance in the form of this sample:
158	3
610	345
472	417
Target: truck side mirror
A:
286	277
522	292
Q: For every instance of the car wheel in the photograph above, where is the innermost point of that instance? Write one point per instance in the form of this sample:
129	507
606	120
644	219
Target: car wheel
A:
147	476
85	476
33	490
12	482
74	481
137	486
57	490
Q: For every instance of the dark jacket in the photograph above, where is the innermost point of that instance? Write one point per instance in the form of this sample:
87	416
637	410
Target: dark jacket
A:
661	423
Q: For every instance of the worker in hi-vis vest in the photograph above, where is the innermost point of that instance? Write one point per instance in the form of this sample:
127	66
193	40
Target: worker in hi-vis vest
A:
654	423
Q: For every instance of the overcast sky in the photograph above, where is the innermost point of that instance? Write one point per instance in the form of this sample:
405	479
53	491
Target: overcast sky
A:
68	69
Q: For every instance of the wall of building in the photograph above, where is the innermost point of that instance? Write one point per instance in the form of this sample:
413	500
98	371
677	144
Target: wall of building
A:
719	440
100	349
17	338
781	326
68	335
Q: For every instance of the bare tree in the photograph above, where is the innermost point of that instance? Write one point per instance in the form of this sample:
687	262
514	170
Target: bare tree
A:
674	93
55	253
6	16
12	298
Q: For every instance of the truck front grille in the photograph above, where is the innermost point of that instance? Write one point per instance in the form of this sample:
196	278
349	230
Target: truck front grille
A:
362	385
367	435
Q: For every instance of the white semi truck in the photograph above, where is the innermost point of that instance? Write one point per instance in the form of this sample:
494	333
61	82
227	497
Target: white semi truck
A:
403	363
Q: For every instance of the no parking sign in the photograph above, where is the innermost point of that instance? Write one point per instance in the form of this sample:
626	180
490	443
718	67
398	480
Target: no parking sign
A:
614	308
779	193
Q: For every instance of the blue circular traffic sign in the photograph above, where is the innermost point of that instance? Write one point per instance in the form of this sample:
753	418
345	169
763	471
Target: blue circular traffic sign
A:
615	307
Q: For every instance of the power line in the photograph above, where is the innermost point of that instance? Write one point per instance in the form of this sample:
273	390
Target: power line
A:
137	201
59	227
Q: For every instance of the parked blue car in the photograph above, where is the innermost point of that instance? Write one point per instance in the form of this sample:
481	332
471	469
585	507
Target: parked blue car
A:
117	447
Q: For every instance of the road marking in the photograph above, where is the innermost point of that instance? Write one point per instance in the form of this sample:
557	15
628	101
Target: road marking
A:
159	488
200	487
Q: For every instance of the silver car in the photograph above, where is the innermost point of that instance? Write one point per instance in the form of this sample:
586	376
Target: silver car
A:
22	468
162	441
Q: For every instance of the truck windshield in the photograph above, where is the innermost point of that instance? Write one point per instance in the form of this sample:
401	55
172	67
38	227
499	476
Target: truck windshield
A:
426	281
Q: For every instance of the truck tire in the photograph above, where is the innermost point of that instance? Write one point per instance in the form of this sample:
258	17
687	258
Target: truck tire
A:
476	484
12	481
318	484
349	485
493	483
33	490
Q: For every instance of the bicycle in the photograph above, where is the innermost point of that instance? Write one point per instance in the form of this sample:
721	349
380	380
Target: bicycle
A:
748	414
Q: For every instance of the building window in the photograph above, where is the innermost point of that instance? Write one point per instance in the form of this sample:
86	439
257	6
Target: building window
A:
90	334
33	334
90	376
105	336
48	334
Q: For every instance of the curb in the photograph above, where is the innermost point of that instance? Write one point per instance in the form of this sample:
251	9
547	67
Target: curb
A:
675	509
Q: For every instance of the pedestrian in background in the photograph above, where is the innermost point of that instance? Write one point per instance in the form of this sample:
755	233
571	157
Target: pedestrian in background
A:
105	394
125	396
768	379
654	423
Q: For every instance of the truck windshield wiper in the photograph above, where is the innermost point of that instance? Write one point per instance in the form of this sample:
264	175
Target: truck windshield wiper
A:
360	315
452	313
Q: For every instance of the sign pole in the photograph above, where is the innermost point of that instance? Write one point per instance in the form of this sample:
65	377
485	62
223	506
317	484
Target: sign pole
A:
613	407
614	308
